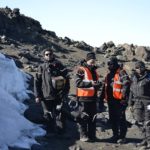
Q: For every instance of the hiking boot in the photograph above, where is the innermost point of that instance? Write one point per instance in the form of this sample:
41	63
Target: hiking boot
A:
113	139
49	135
143	143
93	139
148	146
142	148
84	139
121	141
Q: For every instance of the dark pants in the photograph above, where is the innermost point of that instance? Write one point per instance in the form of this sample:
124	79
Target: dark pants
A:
142	116
55	118
88	128
117	118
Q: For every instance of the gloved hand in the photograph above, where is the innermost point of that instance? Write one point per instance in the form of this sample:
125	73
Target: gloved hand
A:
124	102
59	107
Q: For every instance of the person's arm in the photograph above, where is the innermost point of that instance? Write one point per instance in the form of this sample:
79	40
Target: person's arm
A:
38	85
126	84
130	101
65	74
79	80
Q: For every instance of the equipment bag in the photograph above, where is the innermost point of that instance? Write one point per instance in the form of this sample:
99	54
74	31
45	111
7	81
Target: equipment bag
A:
58	82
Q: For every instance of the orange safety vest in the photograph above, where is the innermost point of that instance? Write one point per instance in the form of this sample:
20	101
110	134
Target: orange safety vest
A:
86	92
117	87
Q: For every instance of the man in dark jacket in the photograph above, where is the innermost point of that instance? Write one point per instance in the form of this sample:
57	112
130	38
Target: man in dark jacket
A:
139	100
87	85
115	92
51	85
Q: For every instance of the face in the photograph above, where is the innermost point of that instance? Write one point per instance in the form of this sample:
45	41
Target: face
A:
139	70
110	66
48	55
91	62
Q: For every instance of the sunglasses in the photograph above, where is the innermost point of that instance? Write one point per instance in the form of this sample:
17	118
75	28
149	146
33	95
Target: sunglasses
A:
137	67
110	64
48	54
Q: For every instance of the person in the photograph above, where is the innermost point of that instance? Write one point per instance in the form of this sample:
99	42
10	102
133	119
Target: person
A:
115	92
51	86
139	101
87	85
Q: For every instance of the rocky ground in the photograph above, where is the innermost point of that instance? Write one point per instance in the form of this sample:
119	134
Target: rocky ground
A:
23	39
70	140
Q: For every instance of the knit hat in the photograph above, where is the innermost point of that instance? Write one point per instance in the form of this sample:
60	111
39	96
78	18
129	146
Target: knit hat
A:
112	61
90	55
140	64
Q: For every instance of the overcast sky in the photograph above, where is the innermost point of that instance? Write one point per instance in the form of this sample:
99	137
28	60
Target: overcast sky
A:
92	21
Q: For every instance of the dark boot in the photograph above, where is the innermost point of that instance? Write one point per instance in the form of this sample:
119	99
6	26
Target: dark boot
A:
113	139
143	143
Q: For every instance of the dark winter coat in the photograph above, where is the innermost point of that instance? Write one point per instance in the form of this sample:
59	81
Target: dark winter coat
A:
43	84
140	88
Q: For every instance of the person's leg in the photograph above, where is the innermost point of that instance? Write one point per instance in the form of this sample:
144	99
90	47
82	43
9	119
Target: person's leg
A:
147	123
59	116
123	123
60	122
113	116
139	114
91	111
82	125
47	106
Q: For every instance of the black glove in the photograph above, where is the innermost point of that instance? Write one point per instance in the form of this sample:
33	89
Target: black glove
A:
124	103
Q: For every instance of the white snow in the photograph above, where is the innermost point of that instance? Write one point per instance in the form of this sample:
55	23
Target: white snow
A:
15	130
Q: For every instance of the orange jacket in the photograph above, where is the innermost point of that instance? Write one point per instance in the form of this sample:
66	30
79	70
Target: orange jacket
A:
86	92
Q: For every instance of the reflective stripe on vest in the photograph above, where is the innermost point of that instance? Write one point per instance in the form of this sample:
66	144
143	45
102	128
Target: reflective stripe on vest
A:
86	92
117	86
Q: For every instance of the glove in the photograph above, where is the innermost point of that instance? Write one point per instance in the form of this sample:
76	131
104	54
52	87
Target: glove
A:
124	103
58	107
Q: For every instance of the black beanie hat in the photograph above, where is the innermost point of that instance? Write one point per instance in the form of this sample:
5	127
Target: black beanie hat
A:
90	55
113	60
140	64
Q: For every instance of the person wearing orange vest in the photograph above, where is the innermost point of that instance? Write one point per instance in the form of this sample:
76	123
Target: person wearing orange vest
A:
116	92
87	85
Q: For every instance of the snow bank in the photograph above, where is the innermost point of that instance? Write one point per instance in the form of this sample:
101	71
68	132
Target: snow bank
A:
15	130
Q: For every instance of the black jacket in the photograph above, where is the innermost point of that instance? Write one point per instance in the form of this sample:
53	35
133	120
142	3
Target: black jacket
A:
43	84
140	88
